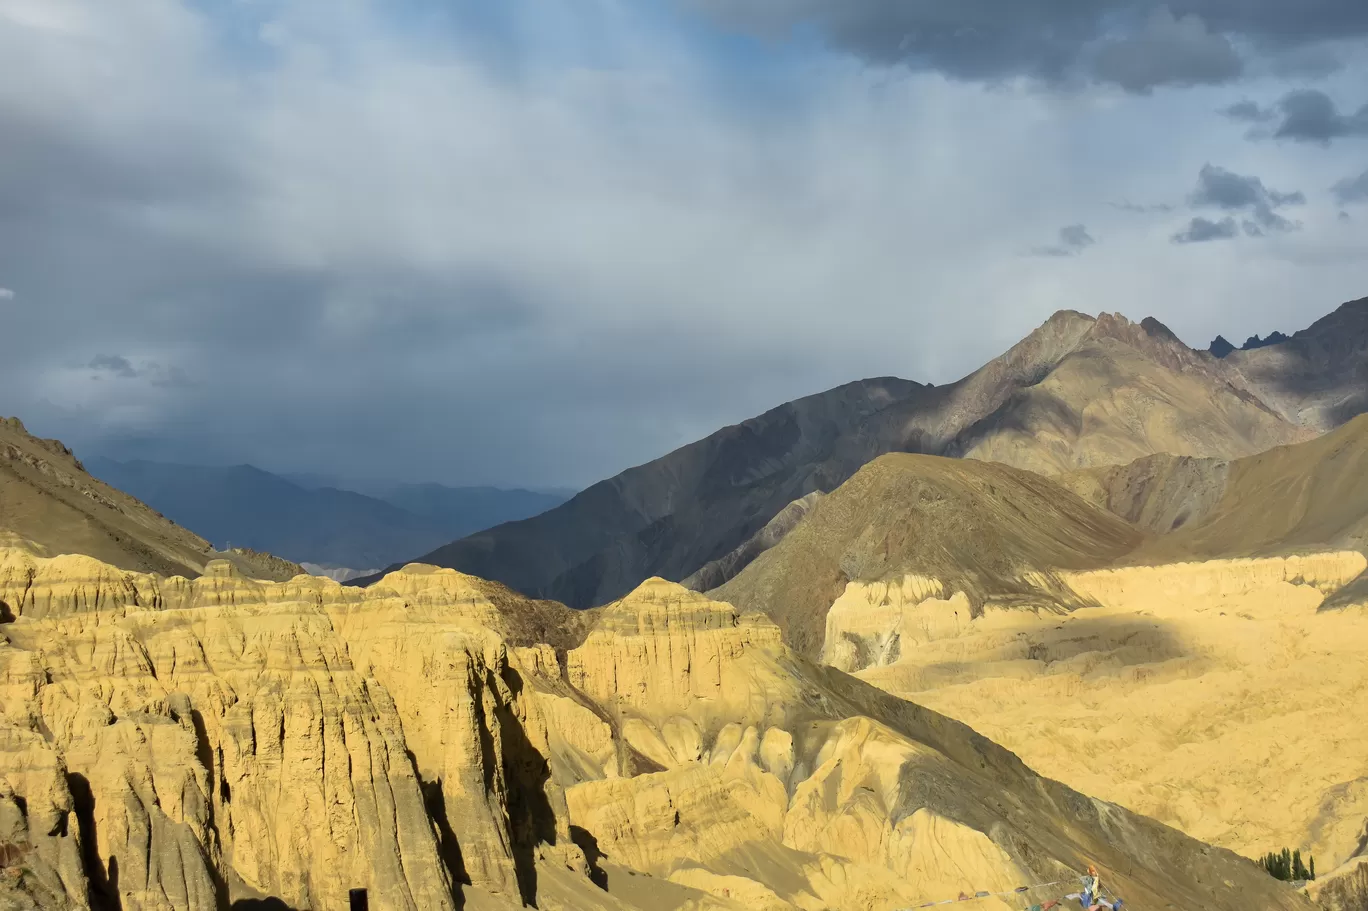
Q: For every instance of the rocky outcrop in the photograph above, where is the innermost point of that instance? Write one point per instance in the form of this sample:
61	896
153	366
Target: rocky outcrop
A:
223	737
40	840
1137	586
1343	889
664	647
872	624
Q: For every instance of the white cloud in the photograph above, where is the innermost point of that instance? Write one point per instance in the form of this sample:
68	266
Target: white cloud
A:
6	294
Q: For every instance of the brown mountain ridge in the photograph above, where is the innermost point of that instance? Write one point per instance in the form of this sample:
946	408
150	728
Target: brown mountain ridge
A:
1078	392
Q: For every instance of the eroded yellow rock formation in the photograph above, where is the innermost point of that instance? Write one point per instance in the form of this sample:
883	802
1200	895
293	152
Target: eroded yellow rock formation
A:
177	744
291	737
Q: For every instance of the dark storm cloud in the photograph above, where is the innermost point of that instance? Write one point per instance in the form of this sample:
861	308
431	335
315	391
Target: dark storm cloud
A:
370	256
1302	115
1135	44
1352	189
382	262
1073	240
1200	230
1218	188
1167	51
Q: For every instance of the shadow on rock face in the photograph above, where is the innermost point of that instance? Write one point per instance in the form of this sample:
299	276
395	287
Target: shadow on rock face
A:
260	904
531	818
1089	643
592	853
104	883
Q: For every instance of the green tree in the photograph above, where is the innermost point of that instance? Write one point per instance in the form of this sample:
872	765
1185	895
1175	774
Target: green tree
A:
1287	865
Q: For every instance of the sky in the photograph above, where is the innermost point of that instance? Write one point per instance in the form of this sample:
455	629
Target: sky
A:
535	242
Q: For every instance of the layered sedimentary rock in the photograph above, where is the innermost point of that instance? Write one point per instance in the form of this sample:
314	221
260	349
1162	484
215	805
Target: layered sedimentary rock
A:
39	838
223	737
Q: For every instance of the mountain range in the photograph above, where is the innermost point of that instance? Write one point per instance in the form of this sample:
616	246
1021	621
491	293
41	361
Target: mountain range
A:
325	526
1079	392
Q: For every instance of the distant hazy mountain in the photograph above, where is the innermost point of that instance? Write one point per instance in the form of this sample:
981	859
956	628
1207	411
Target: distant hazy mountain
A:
245	506
459	510
465	510
1078	392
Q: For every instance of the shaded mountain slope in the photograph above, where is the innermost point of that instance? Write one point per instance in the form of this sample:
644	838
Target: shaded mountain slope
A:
716	572
676	513
48	498
981	528
1036	406
1319	376
1158	493
1302	497
1312	496
988	531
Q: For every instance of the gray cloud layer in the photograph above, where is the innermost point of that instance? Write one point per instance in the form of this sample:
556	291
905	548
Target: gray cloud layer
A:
338	246
1302	115
1135	45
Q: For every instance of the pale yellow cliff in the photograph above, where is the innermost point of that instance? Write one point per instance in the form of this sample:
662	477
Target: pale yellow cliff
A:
239	738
